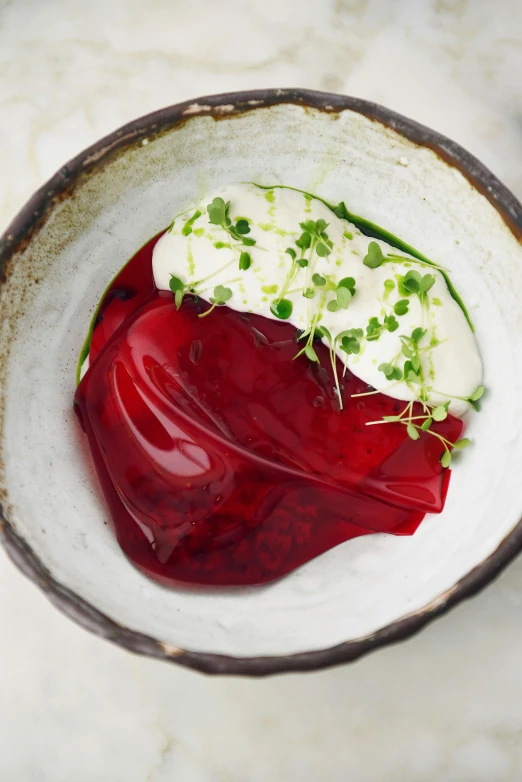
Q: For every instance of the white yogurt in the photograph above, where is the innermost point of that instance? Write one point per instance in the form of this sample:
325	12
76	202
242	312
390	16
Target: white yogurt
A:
452	369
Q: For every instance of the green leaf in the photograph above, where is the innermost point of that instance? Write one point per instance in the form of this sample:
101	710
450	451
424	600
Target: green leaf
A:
350	340
217	211
318	280
347	282
344	297
309	293
332	306
390	372
282	309
244	261
310	353
291	252
439	413
415	363
373	329
445	459
247	241
391	323
222	294
427	282
302	262
175	284
308	226
407	351
401	307
462	443
242	226
322	250
304	241
426	424
477	394
322	331
417	334
412	281
412	432
178	298
389	285
321	225
374	257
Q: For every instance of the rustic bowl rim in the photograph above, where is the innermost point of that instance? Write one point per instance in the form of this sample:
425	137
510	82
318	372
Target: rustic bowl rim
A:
34	213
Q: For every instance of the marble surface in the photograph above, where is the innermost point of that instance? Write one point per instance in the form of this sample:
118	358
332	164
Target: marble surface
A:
446	705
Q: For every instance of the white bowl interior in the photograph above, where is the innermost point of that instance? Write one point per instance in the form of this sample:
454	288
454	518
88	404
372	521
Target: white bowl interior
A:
50	487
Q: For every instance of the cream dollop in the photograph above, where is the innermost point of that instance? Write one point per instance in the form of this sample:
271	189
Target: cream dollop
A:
204	255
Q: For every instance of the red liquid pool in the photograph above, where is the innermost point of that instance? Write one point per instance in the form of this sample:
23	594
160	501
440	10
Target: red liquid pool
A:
223	460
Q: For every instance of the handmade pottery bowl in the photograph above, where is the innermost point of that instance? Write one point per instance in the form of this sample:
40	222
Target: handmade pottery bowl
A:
79	229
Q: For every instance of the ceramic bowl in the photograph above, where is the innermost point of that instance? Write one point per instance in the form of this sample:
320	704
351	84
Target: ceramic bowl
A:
79	229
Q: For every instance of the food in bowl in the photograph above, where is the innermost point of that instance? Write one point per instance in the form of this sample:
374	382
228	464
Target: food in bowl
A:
269	377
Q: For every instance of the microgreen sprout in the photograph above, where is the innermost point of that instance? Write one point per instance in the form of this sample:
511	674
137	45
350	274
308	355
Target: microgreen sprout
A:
375	328
314	235
417	424
414	283
350	340
309	351
390	371
178	288
218	214
220	297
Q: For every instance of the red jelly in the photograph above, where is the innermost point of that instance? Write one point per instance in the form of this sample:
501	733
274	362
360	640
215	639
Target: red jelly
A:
223	460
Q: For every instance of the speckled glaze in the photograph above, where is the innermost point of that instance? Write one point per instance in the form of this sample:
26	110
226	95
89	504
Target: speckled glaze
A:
75	233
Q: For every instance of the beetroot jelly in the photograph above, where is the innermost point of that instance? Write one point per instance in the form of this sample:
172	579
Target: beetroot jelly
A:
223	460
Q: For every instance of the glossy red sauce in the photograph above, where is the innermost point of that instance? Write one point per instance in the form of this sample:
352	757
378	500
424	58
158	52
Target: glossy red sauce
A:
223	460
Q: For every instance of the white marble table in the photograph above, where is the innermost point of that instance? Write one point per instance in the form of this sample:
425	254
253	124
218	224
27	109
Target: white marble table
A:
445	706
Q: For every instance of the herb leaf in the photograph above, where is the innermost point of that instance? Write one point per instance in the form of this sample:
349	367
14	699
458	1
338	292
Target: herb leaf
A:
412	432
427	282
417	334
242	226
310	353
221	294
374	257
445	459
175	284
411	281
391	323
462	443
347	282
401	307
440	413
390	372
245	261
282	308
217	211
